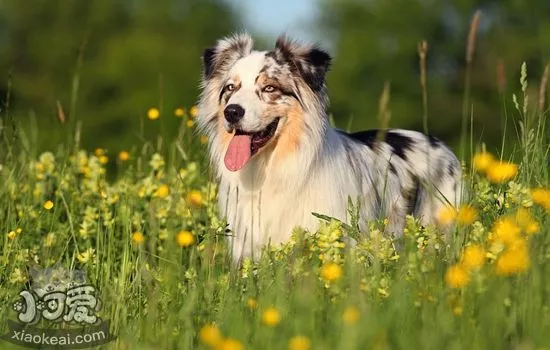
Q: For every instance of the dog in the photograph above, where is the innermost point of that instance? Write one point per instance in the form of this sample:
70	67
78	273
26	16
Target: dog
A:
278	160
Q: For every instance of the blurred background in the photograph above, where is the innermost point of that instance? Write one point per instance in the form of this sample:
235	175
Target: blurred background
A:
106	62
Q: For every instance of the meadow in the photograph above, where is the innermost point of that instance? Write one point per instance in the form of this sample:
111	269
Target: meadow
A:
143	224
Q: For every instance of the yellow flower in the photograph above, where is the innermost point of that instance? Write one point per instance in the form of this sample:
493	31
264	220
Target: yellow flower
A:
506	231
526	221
185	239
49	240
194	198
271	317
251	303
230	344
473	257
446	215
499	172
204	139
123	156
86	255
11	235
48	205
541	196
457	276
99	152
179	112
331	272
138	237
351	315
190	123
514	259
299	342
104	159
466	215
194	111
457	310
163	191
483	160
210	335
153	114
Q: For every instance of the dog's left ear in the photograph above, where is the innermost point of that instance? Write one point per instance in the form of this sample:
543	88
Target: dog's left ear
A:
311	62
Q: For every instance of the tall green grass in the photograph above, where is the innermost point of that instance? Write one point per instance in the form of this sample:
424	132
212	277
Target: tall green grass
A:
157	294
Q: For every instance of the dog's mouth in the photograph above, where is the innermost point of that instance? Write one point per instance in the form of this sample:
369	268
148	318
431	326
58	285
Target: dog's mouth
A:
244	145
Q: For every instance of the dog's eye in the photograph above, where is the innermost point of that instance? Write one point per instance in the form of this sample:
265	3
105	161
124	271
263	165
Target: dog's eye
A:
230	87
269	88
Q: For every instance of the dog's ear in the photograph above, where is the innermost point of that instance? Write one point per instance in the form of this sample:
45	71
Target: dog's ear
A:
310	61
227	51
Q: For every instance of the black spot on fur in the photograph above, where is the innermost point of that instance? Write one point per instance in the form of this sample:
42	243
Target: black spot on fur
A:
367	137
309	62
411	195
451	169
208	60
392	169
434	141
399	143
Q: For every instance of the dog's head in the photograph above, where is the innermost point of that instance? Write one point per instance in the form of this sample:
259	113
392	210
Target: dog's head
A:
255	101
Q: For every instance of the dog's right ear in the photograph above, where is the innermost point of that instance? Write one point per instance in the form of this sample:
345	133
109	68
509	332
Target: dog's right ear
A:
220	58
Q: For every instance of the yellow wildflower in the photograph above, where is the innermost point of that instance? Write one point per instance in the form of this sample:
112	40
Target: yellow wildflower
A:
331	272
99	152
49	240
103	159
153	114
185	239
271	317
251	303
526	221
204	139
457	276
11	235
194	111
499	172
138	237
123	156
163	191
179	112
48	205
230	344
541	196
190	123
194	198
86	256
446	215
210	335
457	310
473	257
466	215
514	259
506	231
483	160
351	315
299	342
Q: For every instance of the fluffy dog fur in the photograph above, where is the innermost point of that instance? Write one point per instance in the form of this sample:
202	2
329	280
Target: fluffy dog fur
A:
278	159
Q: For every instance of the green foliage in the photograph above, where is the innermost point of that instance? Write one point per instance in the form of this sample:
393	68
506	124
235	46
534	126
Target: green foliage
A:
105	63
376	41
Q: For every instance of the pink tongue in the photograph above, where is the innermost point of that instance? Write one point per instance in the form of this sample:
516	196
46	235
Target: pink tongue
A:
238	152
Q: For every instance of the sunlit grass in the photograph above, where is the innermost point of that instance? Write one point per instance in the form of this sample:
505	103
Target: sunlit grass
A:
154	245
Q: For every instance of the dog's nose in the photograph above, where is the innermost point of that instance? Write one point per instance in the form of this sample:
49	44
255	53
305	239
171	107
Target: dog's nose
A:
233	113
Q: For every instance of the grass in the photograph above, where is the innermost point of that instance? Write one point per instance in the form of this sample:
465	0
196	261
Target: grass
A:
159	286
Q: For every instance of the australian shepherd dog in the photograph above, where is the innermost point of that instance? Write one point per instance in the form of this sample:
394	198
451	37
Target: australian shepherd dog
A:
278	160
